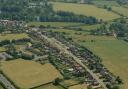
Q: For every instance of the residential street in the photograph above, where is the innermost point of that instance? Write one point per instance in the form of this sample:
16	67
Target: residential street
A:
6	83
63	48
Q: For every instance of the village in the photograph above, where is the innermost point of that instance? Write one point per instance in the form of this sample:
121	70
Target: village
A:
60	52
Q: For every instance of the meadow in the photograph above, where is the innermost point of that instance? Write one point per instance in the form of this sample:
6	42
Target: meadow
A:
2	49
120	10
29	74
80	86
105	3
13	36
53	24
49	86
85	9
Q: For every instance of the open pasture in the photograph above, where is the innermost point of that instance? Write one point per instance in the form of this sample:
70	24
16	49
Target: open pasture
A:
54	24
85	9
114	54
120	10
29	74
13	36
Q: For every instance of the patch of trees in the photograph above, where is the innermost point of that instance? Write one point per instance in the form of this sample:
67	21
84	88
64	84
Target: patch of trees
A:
6	42
62	16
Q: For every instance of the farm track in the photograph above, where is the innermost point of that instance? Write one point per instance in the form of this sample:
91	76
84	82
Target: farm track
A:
63	49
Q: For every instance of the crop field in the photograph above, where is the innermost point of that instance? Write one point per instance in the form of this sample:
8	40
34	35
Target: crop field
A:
53	24
13	36
85	9
121	10
83	86
29	74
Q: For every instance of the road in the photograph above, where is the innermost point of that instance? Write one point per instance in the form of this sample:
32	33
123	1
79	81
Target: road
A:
63	48
6	83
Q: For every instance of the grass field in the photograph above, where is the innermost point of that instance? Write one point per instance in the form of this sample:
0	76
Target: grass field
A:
105	2
1	87
13	36
121	10
53	24
83	86
28	74
90	27
115	56
2	49
85	9
49	86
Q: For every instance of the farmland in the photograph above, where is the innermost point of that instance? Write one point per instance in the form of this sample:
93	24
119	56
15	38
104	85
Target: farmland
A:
114	55
84	86
105	2
49	86
121	10
85	9
53	24
13	36
32	75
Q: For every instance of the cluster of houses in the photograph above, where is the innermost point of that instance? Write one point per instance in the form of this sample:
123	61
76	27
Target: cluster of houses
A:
88	58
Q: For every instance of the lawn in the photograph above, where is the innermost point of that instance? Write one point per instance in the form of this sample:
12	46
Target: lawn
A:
29	74
13	36
114	54
85	9
53	24
121	10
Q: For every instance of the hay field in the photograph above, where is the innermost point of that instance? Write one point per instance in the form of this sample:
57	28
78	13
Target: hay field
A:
28	74
85	9
121	10
13	36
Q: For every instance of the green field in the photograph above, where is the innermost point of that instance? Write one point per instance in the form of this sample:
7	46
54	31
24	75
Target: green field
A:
121	10
2	49
115	56
53	24
49	86
105	2
85	9
90	27
13	36
1	87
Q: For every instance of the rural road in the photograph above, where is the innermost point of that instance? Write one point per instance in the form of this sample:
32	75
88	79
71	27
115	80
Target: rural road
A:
63	48
6	83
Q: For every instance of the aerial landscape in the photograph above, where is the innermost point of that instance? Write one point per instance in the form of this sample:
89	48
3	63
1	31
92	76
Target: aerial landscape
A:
63	44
